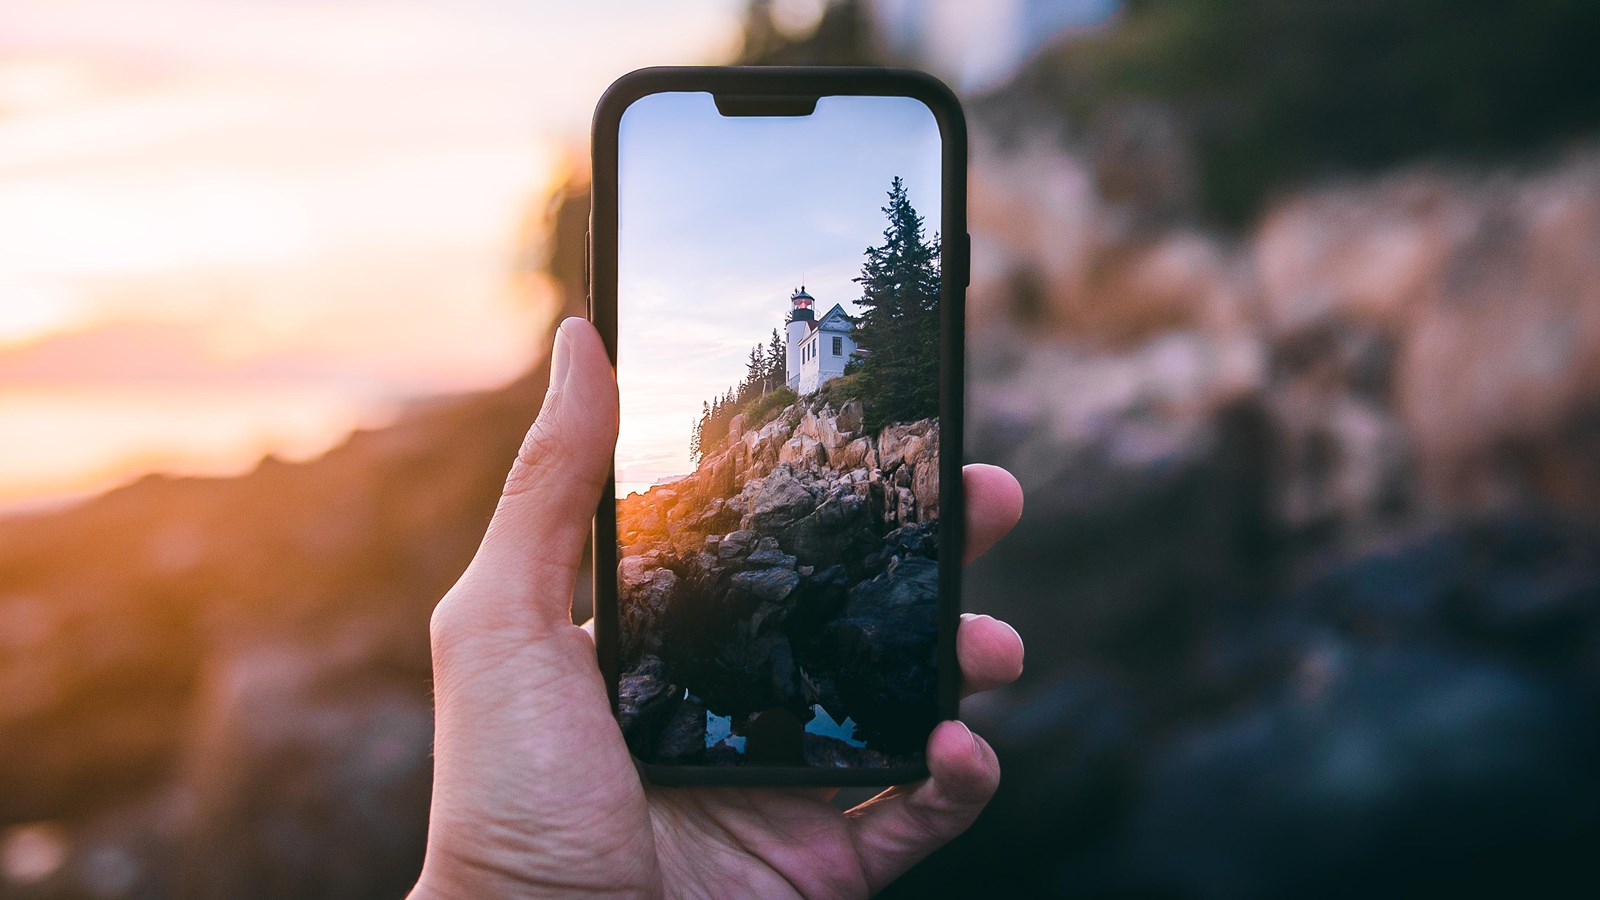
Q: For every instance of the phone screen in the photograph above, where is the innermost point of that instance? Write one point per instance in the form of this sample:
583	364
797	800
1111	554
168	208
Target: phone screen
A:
777	469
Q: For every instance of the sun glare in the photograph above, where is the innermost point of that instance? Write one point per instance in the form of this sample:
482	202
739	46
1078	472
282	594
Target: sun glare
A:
312	209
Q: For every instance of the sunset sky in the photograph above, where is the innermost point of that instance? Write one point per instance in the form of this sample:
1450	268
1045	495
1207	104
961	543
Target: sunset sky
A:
720	219
233	228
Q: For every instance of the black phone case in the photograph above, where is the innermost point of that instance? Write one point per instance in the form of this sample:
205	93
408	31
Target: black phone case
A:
778	90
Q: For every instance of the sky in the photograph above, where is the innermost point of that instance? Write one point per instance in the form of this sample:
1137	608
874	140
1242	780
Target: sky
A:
720	219
235	227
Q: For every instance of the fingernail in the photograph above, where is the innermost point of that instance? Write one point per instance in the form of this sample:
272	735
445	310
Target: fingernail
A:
977	749
560	358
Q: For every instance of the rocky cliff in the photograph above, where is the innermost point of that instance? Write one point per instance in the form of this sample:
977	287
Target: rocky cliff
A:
780	604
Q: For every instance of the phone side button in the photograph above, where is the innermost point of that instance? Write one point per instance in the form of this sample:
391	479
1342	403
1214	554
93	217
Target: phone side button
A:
588	279
966	259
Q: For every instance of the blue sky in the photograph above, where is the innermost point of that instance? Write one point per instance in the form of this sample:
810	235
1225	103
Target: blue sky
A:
720	219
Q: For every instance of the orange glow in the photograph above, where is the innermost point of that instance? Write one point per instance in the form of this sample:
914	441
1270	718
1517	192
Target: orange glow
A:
246	229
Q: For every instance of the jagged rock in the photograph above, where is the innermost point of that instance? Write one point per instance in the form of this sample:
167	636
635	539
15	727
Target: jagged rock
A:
823	427
850	416
736	543
925	489
646	594
803	452
912	540
640	688
720	478
645	583
715	516
780	502
769	558
683	738
836	528
853	455
736	427
771	585
898	442
882	652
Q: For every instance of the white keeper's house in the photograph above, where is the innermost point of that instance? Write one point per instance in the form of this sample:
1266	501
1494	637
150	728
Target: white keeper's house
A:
818	347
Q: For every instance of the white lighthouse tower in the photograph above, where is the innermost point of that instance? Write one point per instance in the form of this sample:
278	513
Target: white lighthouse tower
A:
802	320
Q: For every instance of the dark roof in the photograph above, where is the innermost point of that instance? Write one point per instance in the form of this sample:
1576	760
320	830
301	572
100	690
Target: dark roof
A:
836	309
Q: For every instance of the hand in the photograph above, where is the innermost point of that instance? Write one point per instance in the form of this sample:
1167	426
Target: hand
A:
534	792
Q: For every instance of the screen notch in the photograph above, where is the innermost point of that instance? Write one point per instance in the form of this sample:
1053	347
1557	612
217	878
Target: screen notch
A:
794	105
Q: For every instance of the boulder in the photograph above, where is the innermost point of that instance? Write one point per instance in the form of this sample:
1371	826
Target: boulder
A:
850	416
837	529
771	584
735	543
853	455
646	592
892	443
720	475
776	432
882	650
925	488
714	517
828	432
781	501
640	690
808	425
683	738
802	452
768	558
736	427
906	506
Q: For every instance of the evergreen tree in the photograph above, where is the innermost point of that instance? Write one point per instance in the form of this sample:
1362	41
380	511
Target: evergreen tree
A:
777	376
697	438
899	328
755	378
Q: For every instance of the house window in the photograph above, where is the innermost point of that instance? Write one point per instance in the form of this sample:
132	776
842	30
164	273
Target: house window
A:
838	345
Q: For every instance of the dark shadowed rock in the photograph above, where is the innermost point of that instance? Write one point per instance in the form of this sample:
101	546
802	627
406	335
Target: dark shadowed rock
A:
771	585
781	501
683	738
882	653
832	753
736	543
838	529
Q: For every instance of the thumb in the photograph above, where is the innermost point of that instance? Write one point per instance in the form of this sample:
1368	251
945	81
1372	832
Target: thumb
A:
898	828
522	577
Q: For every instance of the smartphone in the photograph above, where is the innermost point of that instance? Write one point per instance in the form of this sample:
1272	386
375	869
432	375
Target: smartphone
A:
778	263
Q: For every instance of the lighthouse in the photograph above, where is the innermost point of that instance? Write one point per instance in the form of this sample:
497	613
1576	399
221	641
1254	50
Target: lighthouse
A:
802	319
817	348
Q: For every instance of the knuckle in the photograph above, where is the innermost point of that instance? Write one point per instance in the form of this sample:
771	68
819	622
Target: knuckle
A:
445	626
540	455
